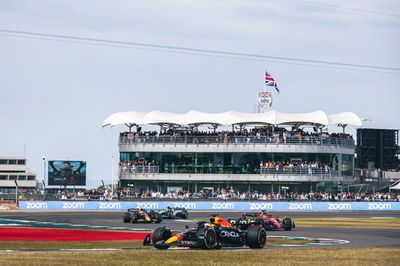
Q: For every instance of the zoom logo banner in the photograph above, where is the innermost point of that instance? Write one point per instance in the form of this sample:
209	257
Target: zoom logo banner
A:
211	205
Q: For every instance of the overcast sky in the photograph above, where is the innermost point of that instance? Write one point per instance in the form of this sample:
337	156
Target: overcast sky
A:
55	95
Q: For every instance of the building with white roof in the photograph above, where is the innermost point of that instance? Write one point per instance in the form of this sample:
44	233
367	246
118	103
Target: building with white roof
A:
263	151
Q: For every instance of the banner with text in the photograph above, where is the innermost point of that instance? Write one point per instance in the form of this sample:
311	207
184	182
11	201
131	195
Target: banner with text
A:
210	205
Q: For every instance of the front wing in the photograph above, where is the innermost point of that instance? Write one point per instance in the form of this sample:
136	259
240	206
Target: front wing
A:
179	243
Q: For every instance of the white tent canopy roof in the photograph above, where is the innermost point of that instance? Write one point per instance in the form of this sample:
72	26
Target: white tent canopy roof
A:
317	118
395	186
346	118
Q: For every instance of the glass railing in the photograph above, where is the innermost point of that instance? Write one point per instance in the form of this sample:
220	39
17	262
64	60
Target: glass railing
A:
236	140
201	169
206	169
139	169
296	171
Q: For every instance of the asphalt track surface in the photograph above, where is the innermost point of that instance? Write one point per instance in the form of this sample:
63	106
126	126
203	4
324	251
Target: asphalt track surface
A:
357	237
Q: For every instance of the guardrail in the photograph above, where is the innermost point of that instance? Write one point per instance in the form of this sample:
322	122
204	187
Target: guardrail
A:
211	206
139	169
236	140
296	171
206	169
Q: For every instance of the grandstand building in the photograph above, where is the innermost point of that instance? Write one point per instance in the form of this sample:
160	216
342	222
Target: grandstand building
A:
267	152
13	173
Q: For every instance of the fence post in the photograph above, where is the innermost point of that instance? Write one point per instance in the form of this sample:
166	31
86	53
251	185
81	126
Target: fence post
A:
16	193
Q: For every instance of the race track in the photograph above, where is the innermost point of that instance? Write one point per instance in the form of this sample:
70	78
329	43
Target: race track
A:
357	237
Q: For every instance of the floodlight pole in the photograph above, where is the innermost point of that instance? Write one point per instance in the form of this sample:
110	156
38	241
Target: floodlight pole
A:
44	169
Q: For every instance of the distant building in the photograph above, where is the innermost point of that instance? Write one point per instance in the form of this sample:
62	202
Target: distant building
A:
265	152
14	169
377	148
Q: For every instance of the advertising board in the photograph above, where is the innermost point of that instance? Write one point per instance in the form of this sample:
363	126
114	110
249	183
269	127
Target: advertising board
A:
212	205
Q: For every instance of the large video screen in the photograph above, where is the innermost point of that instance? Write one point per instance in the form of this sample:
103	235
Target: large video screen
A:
67	173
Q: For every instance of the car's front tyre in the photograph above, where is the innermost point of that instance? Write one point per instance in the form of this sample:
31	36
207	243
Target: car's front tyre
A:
126	217
161	234
287	224
206	238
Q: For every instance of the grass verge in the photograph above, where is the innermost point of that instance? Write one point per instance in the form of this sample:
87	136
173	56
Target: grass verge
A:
304	256
55	245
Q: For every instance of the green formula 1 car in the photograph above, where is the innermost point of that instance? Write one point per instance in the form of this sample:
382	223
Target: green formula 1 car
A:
174	213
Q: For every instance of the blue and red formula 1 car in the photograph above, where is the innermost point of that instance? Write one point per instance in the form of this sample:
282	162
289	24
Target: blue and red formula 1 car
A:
140	215
215	233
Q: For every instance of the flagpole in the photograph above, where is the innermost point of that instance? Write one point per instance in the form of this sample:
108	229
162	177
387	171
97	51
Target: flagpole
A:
265	90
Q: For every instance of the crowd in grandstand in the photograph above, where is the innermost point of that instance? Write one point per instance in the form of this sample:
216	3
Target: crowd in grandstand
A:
140	162
277	133
91	194
139	166
224	194
269	167
287	165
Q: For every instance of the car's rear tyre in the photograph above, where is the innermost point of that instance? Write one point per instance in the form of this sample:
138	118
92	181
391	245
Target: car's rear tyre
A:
126	217
256	237
161	234
184	215
260	221
287	224
206	238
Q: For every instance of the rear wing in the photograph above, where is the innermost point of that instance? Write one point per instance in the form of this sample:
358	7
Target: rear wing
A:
179	209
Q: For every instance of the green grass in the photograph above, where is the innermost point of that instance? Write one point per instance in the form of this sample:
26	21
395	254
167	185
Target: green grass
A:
56	245
349	222
303	256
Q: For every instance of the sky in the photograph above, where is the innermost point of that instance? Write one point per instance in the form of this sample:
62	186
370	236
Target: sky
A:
54	95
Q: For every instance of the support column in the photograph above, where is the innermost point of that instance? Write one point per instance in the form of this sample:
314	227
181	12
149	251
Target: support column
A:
16	193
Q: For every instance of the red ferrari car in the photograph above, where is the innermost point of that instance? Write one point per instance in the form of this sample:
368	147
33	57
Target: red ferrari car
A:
263	219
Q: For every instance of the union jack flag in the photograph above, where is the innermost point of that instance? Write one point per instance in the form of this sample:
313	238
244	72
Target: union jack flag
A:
270	81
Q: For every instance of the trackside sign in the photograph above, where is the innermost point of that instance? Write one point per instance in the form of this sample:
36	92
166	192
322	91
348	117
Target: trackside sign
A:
211	205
